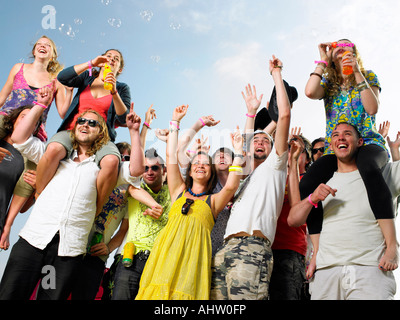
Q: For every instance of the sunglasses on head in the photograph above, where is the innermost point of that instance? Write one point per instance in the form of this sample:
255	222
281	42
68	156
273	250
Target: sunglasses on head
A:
153	168
314	151
92	123
186	206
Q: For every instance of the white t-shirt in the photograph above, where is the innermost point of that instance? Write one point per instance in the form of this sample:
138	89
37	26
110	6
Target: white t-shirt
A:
350	232
259	205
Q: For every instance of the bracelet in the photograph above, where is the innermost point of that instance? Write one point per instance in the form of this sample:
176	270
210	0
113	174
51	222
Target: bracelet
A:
280	67
90	67
40	105
250	115
322	61
315	74
201	120
362	86
146	124
310	201
238	155
235	168
174	124
114	93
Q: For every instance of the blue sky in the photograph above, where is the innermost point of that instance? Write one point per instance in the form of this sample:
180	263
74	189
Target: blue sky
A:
204	52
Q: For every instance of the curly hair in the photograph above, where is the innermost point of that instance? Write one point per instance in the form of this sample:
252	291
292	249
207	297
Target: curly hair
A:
103	136
54	67
335	79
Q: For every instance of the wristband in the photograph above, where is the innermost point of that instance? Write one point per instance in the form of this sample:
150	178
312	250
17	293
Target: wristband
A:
114	93
310	201
315	74
322	61
40	105
235	168
201	120
173	124
90	67
146	124
191	151
250	116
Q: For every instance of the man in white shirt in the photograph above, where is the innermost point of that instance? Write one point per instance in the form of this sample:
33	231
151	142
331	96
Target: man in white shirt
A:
242	266
54	238
354	253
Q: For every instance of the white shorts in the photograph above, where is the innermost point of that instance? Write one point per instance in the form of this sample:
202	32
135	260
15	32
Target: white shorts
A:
353	283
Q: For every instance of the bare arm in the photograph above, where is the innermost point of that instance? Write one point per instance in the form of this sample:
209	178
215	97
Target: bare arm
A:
7	88
136	163
282	127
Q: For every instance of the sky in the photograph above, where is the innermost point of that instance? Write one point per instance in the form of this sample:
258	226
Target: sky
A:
204	52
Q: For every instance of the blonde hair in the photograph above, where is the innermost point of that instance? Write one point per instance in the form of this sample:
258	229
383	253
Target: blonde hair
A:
335	79
54	67
102	138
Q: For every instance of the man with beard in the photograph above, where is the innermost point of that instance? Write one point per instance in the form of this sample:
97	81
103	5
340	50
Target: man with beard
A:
243	266
54	238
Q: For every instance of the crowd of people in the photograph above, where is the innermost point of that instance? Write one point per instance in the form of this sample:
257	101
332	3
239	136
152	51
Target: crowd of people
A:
271	216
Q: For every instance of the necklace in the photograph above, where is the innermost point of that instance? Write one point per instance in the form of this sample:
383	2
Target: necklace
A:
196	194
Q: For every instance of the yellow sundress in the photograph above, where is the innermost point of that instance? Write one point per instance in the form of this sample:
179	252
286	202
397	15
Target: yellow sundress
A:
179	266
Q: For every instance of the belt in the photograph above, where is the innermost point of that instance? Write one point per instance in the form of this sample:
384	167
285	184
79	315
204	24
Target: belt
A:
143	255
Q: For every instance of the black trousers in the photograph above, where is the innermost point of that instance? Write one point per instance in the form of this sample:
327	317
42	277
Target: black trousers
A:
370	161
24	270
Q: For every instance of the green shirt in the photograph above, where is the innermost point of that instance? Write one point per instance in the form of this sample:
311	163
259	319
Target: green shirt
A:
143	229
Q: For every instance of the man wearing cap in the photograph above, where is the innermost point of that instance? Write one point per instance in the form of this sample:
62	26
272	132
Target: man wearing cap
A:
243	266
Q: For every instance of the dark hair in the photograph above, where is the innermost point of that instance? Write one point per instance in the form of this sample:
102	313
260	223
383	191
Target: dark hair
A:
352	125
153	154
320	139
223	150
212	182
96	72
9	120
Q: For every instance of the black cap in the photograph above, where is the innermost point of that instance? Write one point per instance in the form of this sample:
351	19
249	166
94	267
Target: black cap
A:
273	106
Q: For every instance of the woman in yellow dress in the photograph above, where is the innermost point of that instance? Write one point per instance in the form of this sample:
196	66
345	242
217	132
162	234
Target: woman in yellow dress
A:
179	266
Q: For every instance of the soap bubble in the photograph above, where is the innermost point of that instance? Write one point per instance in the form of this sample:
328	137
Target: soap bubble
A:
155	59
66	29
146	15
114	22
106	2
175	26
78	21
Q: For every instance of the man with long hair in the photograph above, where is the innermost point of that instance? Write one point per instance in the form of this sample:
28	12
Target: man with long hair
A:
54	238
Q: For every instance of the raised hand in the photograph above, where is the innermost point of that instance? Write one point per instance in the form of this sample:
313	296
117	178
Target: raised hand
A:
150	115
99	61
325	51
237	141
133	120
45	94
252	103
275	64
179	112
162	134
209	121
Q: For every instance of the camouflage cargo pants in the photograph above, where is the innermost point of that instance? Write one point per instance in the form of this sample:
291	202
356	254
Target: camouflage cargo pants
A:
241	269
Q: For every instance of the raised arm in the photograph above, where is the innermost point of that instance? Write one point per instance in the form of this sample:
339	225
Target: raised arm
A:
252	104
136	164
187	137
144	197
175	181
29	123
283	124
220	200
313	89
148	119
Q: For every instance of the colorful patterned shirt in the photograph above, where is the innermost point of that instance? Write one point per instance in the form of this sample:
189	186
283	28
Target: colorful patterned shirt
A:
346	106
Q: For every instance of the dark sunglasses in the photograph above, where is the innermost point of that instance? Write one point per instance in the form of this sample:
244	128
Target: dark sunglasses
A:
186	206
153	168
92	123
125	158
314	151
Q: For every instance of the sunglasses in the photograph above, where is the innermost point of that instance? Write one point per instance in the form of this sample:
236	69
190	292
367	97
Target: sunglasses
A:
186	206
153	168
91	123
314	151
125	158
